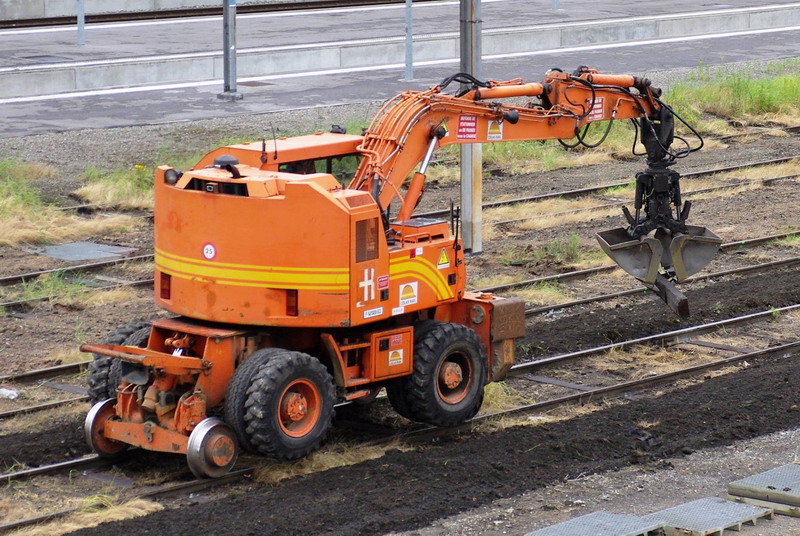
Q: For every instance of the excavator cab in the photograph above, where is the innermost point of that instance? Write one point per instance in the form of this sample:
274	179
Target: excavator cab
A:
658	247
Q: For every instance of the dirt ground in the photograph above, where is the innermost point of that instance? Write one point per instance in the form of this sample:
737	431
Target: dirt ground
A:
520	478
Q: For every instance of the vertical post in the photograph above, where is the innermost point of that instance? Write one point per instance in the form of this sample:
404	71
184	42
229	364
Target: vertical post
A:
229	50
554	5
81	22
409	42
471	154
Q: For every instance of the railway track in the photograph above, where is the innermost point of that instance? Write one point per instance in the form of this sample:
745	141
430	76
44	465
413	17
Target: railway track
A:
429	434
566	194
90	267
74	368
194	12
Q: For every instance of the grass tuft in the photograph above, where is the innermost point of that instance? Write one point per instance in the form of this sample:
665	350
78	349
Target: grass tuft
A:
123	188
91	517
272	472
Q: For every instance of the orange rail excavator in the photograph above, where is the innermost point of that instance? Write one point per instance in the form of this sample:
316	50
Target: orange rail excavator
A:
292	293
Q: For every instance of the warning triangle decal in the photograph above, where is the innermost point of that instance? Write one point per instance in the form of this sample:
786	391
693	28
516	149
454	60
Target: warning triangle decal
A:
444	260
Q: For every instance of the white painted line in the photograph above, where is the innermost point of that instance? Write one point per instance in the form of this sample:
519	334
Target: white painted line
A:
582	48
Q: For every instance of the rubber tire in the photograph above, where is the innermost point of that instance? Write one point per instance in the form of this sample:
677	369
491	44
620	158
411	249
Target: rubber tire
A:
397	390
236	394
263	396
101	384
433	345
138	338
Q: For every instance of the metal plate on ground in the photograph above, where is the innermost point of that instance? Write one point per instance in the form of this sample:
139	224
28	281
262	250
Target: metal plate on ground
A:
602	524
708	517
780	486
83	251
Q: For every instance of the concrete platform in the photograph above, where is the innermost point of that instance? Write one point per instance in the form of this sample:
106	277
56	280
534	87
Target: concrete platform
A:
46	61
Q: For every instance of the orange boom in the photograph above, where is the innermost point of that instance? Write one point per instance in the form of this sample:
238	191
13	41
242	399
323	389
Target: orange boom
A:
293	292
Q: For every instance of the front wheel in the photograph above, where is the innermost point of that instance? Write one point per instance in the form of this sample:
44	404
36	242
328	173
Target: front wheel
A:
289	406
446	386
94	430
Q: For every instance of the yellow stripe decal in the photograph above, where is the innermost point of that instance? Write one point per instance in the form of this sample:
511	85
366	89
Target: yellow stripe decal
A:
275	278
252	267
424	270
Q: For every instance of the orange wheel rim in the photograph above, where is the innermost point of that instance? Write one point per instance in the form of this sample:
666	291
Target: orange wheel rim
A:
299	408
454	378
103	444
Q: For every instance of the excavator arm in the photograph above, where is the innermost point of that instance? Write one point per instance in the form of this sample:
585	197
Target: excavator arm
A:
411	126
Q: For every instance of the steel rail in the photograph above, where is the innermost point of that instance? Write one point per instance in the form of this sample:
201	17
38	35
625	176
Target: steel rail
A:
20	278
59	370
580	274
632	292
492	204
674	335
18	303
426	432
43	469
430	432
48	372
48	405
594	189
617	203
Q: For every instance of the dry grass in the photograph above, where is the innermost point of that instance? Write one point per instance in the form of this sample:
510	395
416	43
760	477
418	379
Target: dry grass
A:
107	297
272	472
48	226
648	361
729	191
25	218
92	516
566	218
499	396
486	281
122	188
543	293
69	355
791	167
537	209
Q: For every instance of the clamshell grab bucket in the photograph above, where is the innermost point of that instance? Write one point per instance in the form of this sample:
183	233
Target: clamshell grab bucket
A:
640	257
686	254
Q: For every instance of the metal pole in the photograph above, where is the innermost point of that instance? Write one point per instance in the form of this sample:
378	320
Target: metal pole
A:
81	23
471	154
229	50
409	42
554	4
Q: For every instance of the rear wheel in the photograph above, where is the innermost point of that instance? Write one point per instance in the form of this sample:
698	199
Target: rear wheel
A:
102	382
289	406
236	394
446	387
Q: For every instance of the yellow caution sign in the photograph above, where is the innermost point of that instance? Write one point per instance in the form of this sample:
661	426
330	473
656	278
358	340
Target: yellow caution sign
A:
444	260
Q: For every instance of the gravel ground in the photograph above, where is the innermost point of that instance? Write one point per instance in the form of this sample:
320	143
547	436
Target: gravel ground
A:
635	490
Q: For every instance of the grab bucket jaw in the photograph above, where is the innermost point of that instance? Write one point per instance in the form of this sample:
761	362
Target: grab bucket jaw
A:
691	252
639	257
683	254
